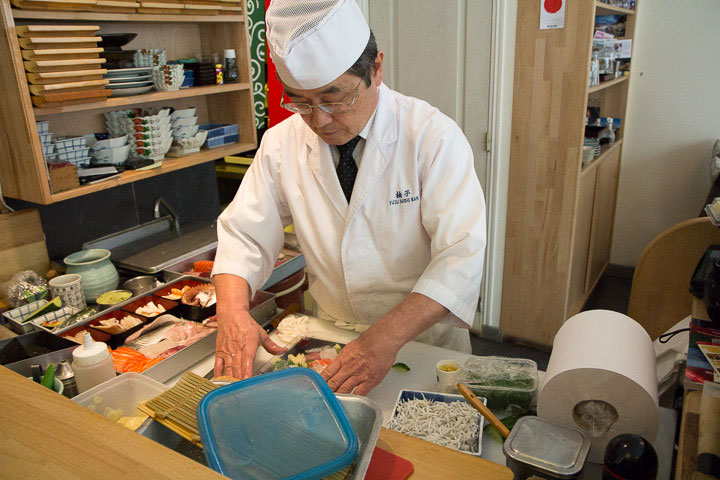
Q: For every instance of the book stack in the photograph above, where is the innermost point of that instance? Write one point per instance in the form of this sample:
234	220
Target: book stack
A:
703	354
63	64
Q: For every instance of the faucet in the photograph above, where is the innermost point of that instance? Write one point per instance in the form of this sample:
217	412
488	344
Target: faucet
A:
176	219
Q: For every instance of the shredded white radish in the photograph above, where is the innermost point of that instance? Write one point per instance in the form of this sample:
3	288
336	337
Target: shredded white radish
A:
453	425
292	327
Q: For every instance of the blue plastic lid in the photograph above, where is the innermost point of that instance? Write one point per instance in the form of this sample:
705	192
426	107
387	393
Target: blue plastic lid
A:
281	425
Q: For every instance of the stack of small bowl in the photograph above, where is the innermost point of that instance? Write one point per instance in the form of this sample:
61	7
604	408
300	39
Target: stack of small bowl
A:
168	77
151	57
109	150
186	138
72	149
149	131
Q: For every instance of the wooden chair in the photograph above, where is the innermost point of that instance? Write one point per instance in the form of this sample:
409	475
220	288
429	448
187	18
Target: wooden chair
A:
659	296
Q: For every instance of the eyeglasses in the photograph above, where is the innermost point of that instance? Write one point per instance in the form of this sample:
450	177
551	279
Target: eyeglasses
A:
331	108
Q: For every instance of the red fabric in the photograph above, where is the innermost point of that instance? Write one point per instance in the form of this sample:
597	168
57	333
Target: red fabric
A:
276	113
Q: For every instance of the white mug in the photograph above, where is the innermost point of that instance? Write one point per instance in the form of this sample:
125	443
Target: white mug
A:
69	289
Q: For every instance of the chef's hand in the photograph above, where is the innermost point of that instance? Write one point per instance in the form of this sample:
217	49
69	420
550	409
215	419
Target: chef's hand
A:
361	365
237	341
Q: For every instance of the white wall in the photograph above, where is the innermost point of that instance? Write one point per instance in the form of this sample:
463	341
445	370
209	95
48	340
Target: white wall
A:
673	119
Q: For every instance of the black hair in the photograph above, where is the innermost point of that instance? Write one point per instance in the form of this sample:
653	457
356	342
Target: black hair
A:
364	67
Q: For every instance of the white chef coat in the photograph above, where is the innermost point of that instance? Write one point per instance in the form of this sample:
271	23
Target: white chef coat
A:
415	222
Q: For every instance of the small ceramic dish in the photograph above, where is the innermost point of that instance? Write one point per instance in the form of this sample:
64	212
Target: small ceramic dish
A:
179	132
74	156
44	126
188	112
195	141
45	138
115	142
64	144
150	129
115	156
48	149
124	92
184	122
150	135
135	78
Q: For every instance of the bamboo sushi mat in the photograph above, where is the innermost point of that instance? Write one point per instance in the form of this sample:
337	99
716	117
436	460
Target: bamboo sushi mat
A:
175	408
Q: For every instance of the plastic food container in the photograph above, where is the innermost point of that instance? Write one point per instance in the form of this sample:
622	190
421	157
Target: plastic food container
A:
537	448
505	382
120	396
118	339
407	395
283	424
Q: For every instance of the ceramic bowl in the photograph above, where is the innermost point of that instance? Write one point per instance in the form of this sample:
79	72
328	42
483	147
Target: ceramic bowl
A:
114	142
188	112
150	129
65	144
74	156
150	57
184	122
195	141
149	135
116	155
181	132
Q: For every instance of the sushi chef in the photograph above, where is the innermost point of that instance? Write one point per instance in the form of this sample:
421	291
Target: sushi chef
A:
382	192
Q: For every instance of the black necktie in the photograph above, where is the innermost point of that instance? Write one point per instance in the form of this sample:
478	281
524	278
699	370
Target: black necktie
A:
347	168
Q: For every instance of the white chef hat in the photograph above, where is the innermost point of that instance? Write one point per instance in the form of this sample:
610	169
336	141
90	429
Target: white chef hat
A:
313	42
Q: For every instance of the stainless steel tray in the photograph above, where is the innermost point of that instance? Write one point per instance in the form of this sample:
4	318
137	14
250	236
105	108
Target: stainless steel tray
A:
366	419
263	311
281	272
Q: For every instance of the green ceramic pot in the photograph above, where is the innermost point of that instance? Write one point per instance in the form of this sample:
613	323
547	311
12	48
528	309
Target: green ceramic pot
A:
98	274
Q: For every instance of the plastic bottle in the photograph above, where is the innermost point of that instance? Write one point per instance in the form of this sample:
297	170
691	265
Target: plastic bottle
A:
92	364
230	66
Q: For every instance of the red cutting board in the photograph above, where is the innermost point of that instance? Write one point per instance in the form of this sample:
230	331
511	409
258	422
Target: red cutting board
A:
387	466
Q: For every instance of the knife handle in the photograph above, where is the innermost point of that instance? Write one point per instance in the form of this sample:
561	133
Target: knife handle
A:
484	411
294	307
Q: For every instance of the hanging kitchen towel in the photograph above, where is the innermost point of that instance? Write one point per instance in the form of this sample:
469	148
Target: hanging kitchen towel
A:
601	377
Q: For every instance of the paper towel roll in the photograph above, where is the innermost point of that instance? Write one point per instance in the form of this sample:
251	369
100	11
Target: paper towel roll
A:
601	361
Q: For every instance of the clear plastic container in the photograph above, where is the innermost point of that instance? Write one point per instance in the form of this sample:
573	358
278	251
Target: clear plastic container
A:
279	425
120	395
537	448
507	383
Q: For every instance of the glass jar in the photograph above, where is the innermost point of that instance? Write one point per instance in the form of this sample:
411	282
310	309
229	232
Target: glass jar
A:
230	66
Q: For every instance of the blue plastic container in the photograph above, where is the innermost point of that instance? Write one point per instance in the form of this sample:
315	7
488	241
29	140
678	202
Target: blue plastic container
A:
281	425
219	129
223	140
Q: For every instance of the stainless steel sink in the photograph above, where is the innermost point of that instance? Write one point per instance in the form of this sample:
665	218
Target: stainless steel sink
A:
153	246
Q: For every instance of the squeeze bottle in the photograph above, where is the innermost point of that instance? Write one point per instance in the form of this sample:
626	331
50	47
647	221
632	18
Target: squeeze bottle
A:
92	364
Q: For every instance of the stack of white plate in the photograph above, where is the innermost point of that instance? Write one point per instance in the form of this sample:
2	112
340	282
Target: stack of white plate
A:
129	81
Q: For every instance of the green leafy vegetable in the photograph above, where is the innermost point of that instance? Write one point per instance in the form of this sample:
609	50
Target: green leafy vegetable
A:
401	367
493	433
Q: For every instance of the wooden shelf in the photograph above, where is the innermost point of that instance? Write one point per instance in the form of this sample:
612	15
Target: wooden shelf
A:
608	84
605	9
112	102
123	17
605	153
170	164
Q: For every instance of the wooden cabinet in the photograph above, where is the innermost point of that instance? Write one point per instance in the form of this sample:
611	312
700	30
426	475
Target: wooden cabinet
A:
22	167
560	213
